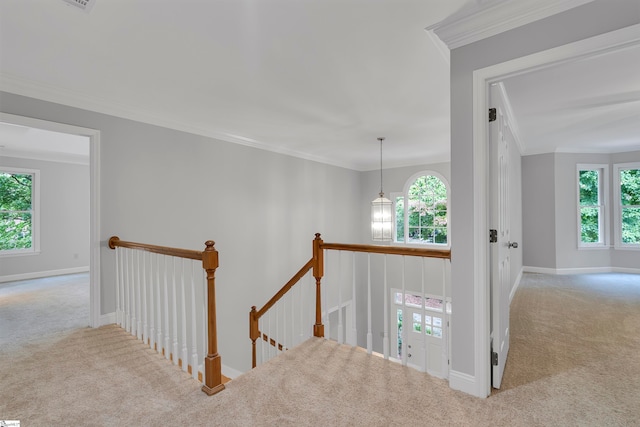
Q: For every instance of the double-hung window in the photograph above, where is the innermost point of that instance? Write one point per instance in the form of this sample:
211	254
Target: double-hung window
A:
19	211
592	196
627	205
421	210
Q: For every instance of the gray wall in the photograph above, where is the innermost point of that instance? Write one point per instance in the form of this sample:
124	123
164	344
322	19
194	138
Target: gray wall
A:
550	213
64	219
172	188
538	211
595	18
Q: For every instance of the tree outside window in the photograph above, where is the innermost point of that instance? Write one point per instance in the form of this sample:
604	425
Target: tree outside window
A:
628	191
422	213
590	206
16	210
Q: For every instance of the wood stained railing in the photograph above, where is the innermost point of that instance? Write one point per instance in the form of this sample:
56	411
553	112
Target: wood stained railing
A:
277	336
160	302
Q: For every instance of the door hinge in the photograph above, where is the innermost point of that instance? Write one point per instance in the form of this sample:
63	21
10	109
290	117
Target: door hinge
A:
493	236
494	358
492	114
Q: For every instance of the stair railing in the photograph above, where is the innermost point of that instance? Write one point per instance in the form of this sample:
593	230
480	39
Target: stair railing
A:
285	328
163	301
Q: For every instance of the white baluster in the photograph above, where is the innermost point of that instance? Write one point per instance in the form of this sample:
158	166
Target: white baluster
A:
424	327
194	324
406	322
369	333
183	318
385	339
339	282
145	302
127	272
134	290
354	326
167	313
175	314
118	284
302	307
152	311
204	326
139	330
260	340
325	298
293	323
159	313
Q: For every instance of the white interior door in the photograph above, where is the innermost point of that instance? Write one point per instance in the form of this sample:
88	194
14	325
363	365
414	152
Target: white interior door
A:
501	244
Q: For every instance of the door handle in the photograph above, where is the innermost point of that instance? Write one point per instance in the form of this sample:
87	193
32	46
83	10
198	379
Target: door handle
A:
513	245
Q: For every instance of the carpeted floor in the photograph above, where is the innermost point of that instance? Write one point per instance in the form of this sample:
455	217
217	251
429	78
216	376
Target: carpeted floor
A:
574	361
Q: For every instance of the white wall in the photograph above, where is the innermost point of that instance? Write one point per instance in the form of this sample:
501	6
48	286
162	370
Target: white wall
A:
576	24
64	221
171	188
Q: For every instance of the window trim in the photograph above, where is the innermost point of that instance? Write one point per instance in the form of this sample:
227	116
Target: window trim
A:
617	207
35	216
603	196
404	194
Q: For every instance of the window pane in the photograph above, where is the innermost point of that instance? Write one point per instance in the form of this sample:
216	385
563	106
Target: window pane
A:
427	211
589	187
631	225
400	219
15	230
630	187
590	225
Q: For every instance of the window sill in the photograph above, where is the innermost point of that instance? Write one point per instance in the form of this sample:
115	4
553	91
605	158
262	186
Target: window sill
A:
17	254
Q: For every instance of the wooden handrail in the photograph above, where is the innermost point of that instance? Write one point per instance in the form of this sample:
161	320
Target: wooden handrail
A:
162	250
299	275
209	257
390	250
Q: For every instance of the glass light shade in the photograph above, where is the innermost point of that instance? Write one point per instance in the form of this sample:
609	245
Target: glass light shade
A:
381	219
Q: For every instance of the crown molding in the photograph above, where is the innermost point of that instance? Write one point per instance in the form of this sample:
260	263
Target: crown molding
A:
48	156
487	18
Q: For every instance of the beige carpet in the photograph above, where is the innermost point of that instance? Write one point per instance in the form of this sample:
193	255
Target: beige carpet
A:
575	361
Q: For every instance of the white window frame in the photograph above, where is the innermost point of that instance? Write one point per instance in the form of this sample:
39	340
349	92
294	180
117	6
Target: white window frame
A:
35	213
617	206
405	195
603	196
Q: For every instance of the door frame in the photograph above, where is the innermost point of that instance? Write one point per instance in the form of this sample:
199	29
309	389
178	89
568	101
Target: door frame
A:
95	319
615	40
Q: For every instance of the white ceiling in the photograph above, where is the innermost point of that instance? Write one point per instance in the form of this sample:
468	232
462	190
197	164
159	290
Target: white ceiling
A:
316	79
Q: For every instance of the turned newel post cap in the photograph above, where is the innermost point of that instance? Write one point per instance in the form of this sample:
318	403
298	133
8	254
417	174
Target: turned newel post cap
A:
317	236
112	242
209	245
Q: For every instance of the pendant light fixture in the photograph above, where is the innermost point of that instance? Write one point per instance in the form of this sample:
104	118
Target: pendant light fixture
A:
381	212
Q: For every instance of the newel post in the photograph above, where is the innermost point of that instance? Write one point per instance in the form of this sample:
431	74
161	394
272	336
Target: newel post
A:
318	272
213	362
254	334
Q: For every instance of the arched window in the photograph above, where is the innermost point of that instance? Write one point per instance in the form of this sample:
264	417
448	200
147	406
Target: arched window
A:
422	210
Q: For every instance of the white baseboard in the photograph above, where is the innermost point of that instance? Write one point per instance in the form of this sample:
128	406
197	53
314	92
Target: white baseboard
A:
40	274
108	319
581	270
516	285
465	383
230	372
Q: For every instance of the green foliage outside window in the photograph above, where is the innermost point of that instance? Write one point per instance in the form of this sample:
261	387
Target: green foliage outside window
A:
15	211
630	205
427	212
589	206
